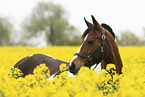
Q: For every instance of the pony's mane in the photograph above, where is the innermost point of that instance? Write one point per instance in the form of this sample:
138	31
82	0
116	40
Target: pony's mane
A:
109	29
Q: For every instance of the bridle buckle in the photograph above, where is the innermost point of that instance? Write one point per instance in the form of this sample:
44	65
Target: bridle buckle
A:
103	37
89	58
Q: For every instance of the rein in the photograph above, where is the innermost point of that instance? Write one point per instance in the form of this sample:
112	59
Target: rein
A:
101	47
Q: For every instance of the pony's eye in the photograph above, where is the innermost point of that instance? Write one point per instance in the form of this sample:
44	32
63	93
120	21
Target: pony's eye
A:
90	41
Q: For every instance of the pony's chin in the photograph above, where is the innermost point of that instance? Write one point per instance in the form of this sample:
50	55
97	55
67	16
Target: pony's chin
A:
74	72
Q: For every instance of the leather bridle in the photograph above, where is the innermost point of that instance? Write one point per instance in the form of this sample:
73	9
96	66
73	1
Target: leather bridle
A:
101	47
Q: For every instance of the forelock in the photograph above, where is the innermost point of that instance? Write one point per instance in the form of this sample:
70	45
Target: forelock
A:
87	31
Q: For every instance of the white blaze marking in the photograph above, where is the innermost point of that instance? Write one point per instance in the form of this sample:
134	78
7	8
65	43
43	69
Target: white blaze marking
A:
75	56
78	50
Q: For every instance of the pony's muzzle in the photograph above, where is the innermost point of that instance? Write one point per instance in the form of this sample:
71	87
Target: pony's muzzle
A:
72	68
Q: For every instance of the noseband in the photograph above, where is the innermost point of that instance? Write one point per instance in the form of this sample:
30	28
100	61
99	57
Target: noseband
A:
101	47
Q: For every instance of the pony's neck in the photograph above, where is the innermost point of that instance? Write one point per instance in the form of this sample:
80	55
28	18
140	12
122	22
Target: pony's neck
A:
112	54
114	57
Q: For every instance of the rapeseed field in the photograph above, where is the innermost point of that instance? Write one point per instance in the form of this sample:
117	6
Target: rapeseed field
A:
87	83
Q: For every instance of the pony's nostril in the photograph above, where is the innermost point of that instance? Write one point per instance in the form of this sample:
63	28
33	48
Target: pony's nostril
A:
72	66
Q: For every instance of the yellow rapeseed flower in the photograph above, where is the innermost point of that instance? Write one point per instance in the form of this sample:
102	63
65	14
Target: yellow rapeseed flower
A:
87	83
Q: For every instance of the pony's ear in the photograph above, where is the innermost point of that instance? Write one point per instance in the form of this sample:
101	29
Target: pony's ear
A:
95	22
87	23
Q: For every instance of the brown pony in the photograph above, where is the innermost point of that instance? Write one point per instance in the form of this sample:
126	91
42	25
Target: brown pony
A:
98	46
27	64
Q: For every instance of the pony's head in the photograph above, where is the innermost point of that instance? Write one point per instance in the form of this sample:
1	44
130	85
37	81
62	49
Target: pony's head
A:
94	46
